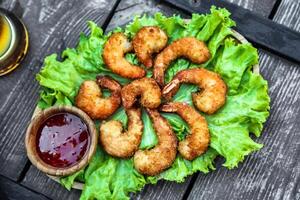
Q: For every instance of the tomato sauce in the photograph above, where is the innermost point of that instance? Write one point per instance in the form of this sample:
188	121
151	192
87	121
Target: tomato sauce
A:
62	140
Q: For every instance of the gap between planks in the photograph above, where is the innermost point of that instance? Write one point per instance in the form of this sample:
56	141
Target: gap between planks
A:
274	9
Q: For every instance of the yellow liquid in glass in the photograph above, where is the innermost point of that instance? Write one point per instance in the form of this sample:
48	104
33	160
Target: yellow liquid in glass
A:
5	35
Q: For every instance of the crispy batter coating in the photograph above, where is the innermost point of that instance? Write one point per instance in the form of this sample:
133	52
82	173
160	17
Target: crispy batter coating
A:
122	144
146	88
149	40
197	141
213	94
90	100
161	157
189	47
113	56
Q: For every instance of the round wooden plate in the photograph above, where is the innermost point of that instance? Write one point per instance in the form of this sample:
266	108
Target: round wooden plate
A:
78	185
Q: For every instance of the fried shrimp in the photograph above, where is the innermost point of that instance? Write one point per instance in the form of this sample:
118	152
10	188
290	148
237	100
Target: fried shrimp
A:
146	88
161	157
197	141
122	144
149	40
213	93
90	100
189	47
113	55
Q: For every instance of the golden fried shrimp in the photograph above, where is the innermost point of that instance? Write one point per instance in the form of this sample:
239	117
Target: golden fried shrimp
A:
149	40
146	88
113	56
90	100
197	141
213	94
161	157
122	144
189	47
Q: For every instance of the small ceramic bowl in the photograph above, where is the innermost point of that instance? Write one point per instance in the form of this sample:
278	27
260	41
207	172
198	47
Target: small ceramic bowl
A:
32	132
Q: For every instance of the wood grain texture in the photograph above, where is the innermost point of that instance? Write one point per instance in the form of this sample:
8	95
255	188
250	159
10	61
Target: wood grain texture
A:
273	172
52	26
163	190
13	191
127	9
288	14
259	7
38	181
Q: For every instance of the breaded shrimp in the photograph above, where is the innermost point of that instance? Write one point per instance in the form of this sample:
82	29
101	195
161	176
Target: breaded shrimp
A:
149	40
122	144
189	47
146	88
161	157
113	56
197	141
90	100
213	94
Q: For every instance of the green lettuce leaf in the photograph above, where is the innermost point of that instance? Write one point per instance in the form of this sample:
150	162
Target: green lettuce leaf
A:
173	26
233	62
149	138
120	115
68	181
218	17
175	67
112	179
181	168
179	126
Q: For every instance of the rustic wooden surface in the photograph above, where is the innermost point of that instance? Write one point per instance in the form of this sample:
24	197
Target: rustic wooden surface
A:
272	173
11	190
262	8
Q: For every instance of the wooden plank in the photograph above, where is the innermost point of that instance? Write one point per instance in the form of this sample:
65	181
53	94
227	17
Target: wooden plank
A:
163	190
13	191
38	181
127	9
288	14
52	26
273	172
259	7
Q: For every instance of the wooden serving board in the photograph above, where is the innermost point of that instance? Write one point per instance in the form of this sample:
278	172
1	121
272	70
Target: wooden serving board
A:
78	185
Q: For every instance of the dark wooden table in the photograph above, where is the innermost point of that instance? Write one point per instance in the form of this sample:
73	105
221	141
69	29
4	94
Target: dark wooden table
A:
271	173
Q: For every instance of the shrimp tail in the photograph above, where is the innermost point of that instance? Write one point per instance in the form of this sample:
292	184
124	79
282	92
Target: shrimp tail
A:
168	107
90	100
107	82
170	89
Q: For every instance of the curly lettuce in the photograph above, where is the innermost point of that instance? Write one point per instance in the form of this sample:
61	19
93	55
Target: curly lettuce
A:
245	111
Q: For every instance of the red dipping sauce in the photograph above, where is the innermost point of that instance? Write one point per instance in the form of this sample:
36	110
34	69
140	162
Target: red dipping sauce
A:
62	140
